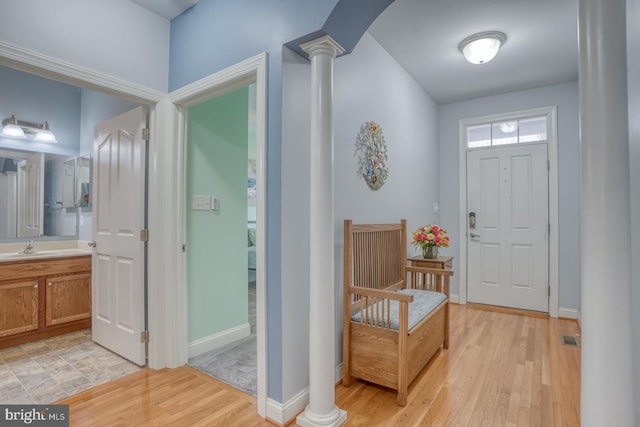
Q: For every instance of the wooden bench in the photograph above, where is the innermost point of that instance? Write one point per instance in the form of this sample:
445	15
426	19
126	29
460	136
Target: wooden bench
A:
396	317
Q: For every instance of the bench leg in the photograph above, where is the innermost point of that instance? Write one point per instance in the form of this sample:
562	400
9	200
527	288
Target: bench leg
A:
346	379
402	396
446	326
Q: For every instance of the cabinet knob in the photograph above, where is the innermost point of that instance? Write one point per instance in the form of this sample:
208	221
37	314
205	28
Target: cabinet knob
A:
35	286
50	284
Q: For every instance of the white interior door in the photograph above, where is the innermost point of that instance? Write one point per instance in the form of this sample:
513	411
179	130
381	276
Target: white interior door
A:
31	204
118	284
508	250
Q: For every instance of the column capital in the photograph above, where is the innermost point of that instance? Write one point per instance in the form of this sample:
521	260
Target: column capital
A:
322	45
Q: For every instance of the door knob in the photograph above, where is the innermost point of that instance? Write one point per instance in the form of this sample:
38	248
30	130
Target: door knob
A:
92	244
473	235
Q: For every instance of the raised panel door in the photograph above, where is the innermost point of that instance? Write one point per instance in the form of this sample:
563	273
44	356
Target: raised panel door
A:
19	307
68	298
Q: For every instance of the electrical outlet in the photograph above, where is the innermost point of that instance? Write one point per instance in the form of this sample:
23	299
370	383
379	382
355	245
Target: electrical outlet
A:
201	202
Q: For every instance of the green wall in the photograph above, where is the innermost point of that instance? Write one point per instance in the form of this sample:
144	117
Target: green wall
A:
217	153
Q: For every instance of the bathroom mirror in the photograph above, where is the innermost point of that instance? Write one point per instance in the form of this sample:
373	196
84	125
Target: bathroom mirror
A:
35	193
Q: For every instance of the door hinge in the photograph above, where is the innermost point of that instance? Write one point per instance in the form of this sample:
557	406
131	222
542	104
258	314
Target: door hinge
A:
184	248
144	235
548	164
549	229
144	337
145	134
549	290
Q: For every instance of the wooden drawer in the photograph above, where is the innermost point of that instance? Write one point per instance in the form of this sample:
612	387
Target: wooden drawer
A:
44	267
442	262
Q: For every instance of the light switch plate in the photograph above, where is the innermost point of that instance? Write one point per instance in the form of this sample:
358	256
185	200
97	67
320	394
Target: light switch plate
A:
201	202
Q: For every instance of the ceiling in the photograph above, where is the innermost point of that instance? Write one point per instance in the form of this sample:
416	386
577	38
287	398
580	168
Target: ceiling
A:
423	36
166	8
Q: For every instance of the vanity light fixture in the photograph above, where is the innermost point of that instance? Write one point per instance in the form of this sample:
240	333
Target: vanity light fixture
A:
40	132
10	128
482	47
45	135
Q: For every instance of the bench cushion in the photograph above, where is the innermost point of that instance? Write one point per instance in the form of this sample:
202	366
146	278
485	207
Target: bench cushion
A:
424	302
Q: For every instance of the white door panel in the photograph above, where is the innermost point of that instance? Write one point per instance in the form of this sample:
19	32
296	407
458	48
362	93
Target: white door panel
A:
508	261
31	201
119	254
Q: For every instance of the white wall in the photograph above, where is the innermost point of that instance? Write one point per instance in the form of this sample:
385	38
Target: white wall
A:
565	96
633	70
115	37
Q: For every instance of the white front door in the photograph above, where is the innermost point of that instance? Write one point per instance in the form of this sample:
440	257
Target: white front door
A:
118	284
31	189
508	249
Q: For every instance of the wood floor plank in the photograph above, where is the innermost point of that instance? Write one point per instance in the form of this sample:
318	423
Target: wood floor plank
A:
503	368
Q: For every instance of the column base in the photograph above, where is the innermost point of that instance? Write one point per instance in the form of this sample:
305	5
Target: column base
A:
334	419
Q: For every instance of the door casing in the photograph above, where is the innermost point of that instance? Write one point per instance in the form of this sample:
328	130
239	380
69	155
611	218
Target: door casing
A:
167	301
552	141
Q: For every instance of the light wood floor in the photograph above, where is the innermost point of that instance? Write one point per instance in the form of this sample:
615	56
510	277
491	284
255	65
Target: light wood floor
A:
501	369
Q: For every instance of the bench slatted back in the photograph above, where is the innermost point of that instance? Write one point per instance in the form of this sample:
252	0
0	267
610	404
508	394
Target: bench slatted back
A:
374	255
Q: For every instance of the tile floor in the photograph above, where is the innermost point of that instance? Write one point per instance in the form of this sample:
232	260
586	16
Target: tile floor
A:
48	370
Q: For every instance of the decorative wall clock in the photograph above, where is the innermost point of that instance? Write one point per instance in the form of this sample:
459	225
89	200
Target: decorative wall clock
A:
372	150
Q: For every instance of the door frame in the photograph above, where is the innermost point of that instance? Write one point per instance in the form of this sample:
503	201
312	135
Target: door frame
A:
252	70
166	297
552	149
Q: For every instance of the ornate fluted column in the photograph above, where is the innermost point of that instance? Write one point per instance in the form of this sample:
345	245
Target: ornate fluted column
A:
322	410
607	365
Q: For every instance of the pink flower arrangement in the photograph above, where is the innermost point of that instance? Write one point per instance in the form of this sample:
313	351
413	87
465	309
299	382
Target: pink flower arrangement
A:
430	235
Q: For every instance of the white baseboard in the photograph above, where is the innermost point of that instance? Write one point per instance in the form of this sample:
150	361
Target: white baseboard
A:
283	412
580	319
214	341
568	313
454	298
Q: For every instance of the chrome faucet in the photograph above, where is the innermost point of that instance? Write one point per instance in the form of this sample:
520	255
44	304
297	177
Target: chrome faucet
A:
28	248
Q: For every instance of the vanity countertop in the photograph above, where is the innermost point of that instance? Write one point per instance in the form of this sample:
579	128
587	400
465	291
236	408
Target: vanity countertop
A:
58	253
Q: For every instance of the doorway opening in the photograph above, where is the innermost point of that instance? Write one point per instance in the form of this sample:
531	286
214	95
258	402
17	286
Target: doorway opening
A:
238	76
221	225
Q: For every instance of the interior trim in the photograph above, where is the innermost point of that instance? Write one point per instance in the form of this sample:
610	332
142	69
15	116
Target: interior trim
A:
252	70
53	68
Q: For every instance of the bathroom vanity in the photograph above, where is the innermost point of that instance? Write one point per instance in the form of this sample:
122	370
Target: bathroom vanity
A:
44	294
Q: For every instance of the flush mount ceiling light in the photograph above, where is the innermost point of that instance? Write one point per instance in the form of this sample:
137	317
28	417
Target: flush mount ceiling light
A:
13	128
482	47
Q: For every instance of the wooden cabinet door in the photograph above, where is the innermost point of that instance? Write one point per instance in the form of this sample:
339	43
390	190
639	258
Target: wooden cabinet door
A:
68	298
19	307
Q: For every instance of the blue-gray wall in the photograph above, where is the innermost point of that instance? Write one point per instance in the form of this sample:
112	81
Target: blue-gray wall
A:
371	86
36	99
213	35
565	96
